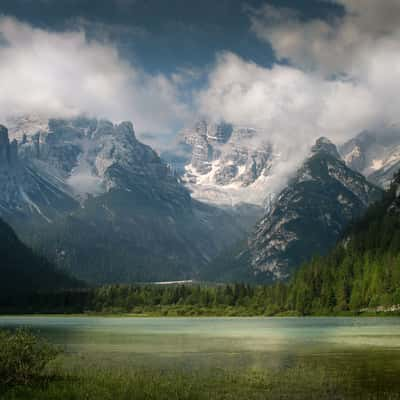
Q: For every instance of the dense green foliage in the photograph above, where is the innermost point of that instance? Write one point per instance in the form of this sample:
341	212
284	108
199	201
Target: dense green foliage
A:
235	299
23	357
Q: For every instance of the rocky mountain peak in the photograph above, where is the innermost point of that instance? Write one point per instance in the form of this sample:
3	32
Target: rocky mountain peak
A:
308	216
125	128
324	145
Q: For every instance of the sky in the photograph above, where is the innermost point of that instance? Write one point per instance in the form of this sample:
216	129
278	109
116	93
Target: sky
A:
297	69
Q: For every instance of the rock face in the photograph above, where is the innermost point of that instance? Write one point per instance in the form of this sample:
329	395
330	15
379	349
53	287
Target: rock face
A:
26	190
306	218
375	154
129	217
229	164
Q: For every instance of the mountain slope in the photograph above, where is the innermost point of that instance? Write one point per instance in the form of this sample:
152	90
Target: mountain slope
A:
22	270
133	219
306	218
362	271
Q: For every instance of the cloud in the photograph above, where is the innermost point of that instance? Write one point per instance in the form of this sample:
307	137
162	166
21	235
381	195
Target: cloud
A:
333	77
290	105
291	108
65	73
362	47
339	45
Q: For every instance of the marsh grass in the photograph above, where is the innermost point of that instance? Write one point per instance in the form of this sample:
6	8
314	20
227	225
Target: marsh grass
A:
302	381
35	370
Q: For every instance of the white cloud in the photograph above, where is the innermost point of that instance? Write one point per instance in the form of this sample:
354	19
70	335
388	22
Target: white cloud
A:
64	74
290	106
342	77
341	45
362	47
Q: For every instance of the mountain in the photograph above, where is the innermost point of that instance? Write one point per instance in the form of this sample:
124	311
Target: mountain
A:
362	271
229	165
375	154
306	218
23	270
112	210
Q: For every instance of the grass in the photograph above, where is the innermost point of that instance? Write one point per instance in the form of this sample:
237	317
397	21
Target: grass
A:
306	380
51	375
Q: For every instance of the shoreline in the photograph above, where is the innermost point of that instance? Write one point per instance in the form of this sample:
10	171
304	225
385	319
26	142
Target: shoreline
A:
151	315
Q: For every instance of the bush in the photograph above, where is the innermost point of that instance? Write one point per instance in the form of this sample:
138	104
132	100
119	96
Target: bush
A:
23	357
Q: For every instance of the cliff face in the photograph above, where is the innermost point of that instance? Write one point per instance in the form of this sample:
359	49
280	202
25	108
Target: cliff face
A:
229	164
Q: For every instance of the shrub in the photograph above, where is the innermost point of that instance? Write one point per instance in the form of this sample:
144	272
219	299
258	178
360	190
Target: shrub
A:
23	357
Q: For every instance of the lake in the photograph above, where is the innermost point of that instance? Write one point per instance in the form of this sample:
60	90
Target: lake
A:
370	344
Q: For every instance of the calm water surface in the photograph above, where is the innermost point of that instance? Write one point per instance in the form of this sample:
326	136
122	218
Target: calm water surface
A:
223	342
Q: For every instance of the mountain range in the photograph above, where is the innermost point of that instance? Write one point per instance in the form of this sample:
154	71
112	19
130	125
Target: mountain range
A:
104	206
96	201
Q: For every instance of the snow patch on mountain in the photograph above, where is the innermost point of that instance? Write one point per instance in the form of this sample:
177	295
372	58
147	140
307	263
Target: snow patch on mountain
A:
229	164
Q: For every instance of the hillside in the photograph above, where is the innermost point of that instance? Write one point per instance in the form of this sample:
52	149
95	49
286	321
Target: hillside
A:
22	270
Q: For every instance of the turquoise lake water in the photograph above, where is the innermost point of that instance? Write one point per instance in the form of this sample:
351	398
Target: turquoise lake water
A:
366	343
